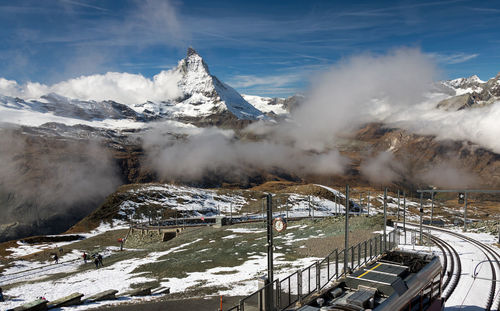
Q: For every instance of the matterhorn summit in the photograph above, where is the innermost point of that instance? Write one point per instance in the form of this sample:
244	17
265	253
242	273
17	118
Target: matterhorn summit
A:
204	95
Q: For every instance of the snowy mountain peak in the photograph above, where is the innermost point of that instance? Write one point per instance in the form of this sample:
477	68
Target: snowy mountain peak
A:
475	78
191	51
205	95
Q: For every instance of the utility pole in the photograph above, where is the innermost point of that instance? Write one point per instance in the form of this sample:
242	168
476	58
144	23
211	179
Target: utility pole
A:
309	198
432	208
360	203
346	241
368	210
268	293
399	203
499	233
465	213
263	209
385	218
421	214
269	238
404	213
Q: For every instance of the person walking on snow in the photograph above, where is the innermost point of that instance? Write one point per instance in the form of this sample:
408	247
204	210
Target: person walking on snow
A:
56	259
84	257
96	262
99	257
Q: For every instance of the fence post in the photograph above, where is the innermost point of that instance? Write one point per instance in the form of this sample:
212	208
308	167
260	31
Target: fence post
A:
328	268
299	284
382	243
318	277
336	264
278	295
371	249
359	255
352	257
364	259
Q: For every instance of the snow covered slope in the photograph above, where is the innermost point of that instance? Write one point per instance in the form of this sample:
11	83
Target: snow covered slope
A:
267	104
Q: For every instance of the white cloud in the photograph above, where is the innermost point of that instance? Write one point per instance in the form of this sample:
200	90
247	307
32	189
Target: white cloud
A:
246	81
124	88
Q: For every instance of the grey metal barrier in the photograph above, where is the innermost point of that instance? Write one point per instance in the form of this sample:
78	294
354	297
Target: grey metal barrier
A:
290	289
304	282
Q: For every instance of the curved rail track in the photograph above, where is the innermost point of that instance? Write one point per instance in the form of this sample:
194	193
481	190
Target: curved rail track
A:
449	253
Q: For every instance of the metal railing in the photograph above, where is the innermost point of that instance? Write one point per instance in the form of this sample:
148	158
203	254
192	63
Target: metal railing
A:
304	282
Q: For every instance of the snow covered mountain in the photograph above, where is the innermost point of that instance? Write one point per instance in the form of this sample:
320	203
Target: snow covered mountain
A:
470	92
275	105
202	96
205	95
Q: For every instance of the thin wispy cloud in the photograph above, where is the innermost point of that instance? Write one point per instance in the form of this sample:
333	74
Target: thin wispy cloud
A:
455	58
246	81
85	5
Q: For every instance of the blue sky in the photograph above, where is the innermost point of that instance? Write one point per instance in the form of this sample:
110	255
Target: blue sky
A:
269	48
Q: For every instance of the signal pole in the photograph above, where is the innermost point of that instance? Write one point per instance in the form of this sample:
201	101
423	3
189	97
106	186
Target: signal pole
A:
465	213
368	207
346	242
269	238
385	218
399	203
404	213
421	213
432	208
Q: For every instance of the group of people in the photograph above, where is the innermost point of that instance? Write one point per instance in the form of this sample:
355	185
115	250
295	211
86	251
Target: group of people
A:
97	259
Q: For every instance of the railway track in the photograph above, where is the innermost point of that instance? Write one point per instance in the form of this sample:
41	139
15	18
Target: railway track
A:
451	255
455	264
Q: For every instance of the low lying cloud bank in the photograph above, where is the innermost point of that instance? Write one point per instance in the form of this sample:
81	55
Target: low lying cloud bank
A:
125	88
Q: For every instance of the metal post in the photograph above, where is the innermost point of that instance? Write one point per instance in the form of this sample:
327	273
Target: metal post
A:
498	233
346	241
335	206
465	213
421	214
399	203
360	204
404	213
269	238
309	198
336	264
287	210
368	210
432	207
231	212
312	208
263	210
385	217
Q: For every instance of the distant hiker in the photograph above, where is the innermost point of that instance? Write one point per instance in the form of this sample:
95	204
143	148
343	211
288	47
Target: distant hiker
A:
84	257
96	262
61	250
56	258
99	257
1	295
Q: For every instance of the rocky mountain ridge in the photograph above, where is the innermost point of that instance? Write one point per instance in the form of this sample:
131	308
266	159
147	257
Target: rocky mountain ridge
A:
470	92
